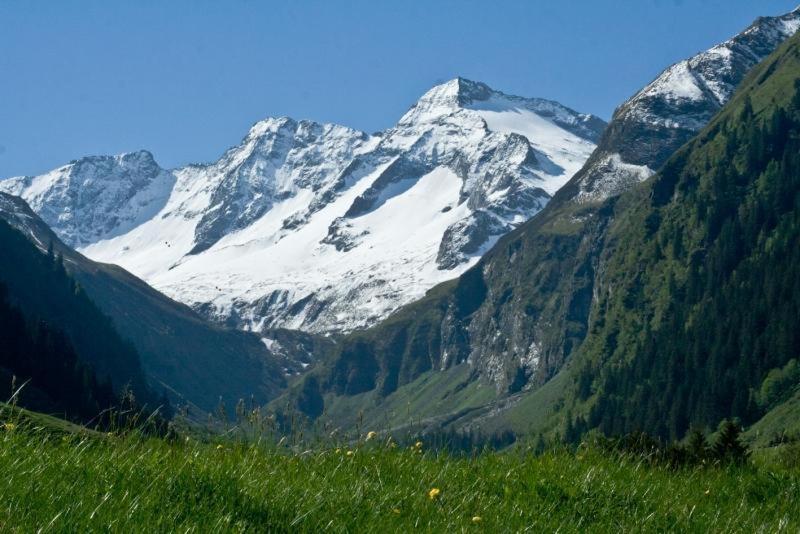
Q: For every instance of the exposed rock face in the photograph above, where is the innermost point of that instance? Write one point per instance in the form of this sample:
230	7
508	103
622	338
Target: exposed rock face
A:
317	226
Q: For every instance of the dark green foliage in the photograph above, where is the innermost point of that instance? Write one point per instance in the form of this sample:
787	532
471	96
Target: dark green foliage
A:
356	371
789	454
697	444
39	286
728	448
54	337
40	359
310	401
700	294
464	442
778	385
471	292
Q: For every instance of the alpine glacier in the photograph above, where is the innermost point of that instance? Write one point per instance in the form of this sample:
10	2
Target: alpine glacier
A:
320	227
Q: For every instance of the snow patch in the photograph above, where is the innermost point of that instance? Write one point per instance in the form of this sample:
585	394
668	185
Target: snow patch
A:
617	177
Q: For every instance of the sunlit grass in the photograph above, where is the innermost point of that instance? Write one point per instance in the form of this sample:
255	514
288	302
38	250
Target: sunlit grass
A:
68	482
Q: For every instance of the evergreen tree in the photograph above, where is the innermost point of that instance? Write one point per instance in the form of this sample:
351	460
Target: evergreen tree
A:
697	444
728	447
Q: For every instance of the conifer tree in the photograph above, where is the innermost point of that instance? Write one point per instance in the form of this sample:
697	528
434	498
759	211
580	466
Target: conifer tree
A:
698	444
728	447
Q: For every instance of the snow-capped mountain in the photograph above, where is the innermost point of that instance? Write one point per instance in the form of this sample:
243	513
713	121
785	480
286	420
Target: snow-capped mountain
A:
96	197
317	226
670	110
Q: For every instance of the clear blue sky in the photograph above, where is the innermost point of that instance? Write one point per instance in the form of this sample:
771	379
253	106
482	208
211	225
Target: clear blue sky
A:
185	79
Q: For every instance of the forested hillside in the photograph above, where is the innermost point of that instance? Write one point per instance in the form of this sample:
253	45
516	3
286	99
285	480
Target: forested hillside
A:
698	290
55	338
40	370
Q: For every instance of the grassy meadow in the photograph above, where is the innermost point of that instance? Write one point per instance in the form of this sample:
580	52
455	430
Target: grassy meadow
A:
57	479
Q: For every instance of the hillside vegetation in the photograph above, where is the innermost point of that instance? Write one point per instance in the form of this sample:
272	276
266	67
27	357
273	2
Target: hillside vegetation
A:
56	341
698	294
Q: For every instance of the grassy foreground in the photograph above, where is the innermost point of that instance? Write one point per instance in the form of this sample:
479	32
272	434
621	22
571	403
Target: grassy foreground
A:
68	482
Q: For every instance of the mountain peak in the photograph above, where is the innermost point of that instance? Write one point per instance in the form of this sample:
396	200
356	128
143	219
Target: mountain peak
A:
446	98
670	110
96	197
469	91
309	202
461	90
136	157
462	94
269	125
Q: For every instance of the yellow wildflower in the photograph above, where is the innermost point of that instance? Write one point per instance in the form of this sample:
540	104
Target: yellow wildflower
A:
396	511
434	493
477	519
219	447
9	426
371	434
418	445
350	453
338	450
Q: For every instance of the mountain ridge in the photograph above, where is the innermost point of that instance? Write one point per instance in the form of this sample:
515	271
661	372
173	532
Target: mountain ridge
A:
673	107
311	203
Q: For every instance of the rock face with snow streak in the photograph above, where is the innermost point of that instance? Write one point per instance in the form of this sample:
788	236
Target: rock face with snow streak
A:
670	110
321	227
276	159
96	197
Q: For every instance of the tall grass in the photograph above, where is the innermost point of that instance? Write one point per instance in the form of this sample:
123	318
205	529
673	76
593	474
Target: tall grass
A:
73	482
